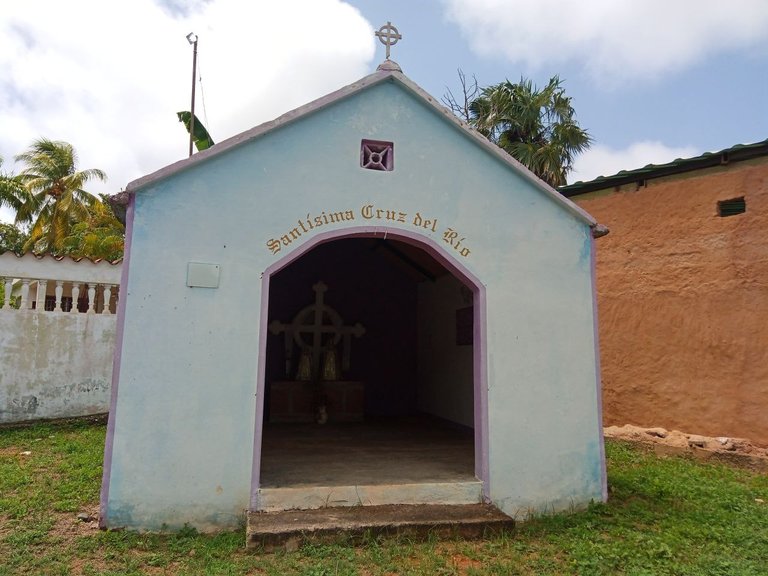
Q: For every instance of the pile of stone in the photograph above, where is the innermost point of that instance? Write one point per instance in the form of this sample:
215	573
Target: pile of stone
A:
675	438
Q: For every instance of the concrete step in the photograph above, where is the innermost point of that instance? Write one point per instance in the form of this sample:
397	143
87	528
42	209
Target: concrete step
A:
289	529
309	497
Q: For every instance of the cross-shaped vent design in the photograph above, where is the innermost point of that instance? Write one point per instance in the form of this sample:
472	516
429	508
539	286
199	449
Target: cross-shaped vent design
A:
377	155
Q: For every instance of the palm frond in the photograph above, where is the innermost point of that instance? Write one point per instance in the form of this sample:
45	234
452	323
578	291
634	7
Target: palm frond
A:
536	126
200	137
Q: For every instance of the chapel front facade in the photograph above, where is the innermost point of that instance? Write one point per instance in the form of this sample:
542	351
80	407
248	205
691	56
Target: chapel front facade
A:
364	266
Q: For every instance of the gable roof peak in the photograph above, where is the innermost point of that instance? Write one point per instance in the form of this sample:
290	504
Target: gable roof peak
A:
389	66
387	71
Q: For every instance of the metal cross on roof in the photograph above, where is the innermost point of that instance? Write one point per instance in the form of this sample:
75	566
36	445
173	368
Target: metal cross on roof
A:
388	35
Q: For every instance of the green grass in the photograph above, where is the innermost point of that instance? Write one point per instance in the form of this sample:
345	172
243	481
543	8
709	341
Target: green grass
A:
665	516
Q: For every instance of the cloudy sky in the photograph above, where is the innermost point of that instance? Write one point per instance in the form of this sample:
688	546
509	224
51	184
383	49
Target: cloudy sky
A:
652	80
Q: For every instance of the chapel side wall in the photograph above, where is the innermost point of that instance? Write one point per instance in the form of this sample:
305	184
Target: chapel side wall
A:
54	365
683	304
445	369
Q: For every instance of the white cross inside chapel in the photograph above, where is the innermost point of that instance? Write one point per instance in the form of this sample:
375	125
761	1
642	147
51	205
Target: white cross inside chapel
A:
311	320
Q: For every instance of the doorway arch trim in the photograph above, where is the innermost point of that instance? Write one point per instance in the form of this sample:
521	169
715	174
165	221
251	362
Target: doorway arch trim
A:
479	332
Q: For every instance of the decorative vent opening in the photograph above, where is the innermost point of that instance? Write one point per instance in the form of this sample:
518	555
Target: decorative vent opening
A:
731	207
377	155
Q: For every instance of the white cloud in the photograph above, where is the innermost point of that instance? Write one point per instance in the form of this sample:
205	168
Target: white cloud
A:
109	77
605	161
612	39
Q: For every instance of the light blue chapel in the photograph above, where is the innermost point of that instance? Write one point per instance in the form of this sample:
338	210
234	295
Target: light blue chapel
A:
361	302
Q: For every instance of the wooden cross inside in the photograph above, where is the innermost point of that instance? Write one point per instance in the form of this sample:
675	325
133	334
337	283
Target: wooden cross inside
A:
323	328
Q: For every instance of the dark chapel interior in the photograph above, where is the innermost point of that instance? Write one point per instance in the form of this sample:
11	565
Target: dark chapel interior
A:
412	368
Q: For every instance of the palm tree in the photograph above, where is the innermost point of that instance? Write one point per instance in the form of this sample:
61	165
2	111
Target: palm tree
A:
535	126
11	190
52	199
100	236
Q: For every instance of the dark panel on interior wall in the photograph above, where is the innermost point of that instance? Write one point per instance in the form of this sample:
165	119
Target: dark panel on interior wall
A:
465	325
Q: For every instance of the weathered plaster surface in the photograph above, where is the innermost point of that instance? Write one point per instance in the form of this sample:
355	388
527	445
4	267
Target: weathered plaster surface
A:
54	365
683	302
186	403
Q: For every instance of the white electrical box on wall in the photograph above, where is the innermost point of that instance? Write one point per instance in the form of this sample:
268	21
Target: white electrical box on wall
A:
202	275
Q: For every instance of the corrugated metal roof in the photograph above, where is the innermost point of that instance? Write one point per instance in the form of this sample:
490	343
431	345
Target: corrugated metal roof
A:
736	153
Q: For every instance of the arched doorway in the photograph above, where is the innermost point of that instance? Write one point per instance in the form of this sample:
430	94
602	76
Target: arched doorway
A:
415	408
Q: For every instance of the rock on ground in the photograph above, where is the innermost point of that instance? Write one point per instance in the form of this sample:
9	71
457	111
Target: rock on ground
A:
683	440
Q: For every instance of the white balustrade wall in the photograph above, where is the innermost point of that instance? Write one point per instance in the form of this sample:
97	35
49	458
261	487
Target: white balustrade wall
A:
57	336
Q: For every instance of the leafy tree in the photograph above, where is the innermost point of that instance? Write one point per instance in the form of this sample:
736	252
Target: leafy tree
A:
12	238
52	199
536	126
100	236
11	190
13	301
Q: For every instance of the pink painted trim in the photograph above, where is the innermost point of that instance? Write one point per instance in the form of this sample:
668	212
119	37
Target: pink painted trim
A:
116	359
261	377
480	329
440	254
598	379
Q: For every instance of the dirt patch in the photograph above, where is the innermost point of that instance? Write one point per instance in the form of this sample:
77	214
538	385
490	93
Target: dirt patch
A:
739	451
79	566
70	525
5	526
463	564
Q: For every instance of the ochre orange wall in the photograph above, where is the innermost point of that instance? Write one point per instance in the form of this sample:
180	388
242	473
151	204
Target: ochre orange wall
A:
683	302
